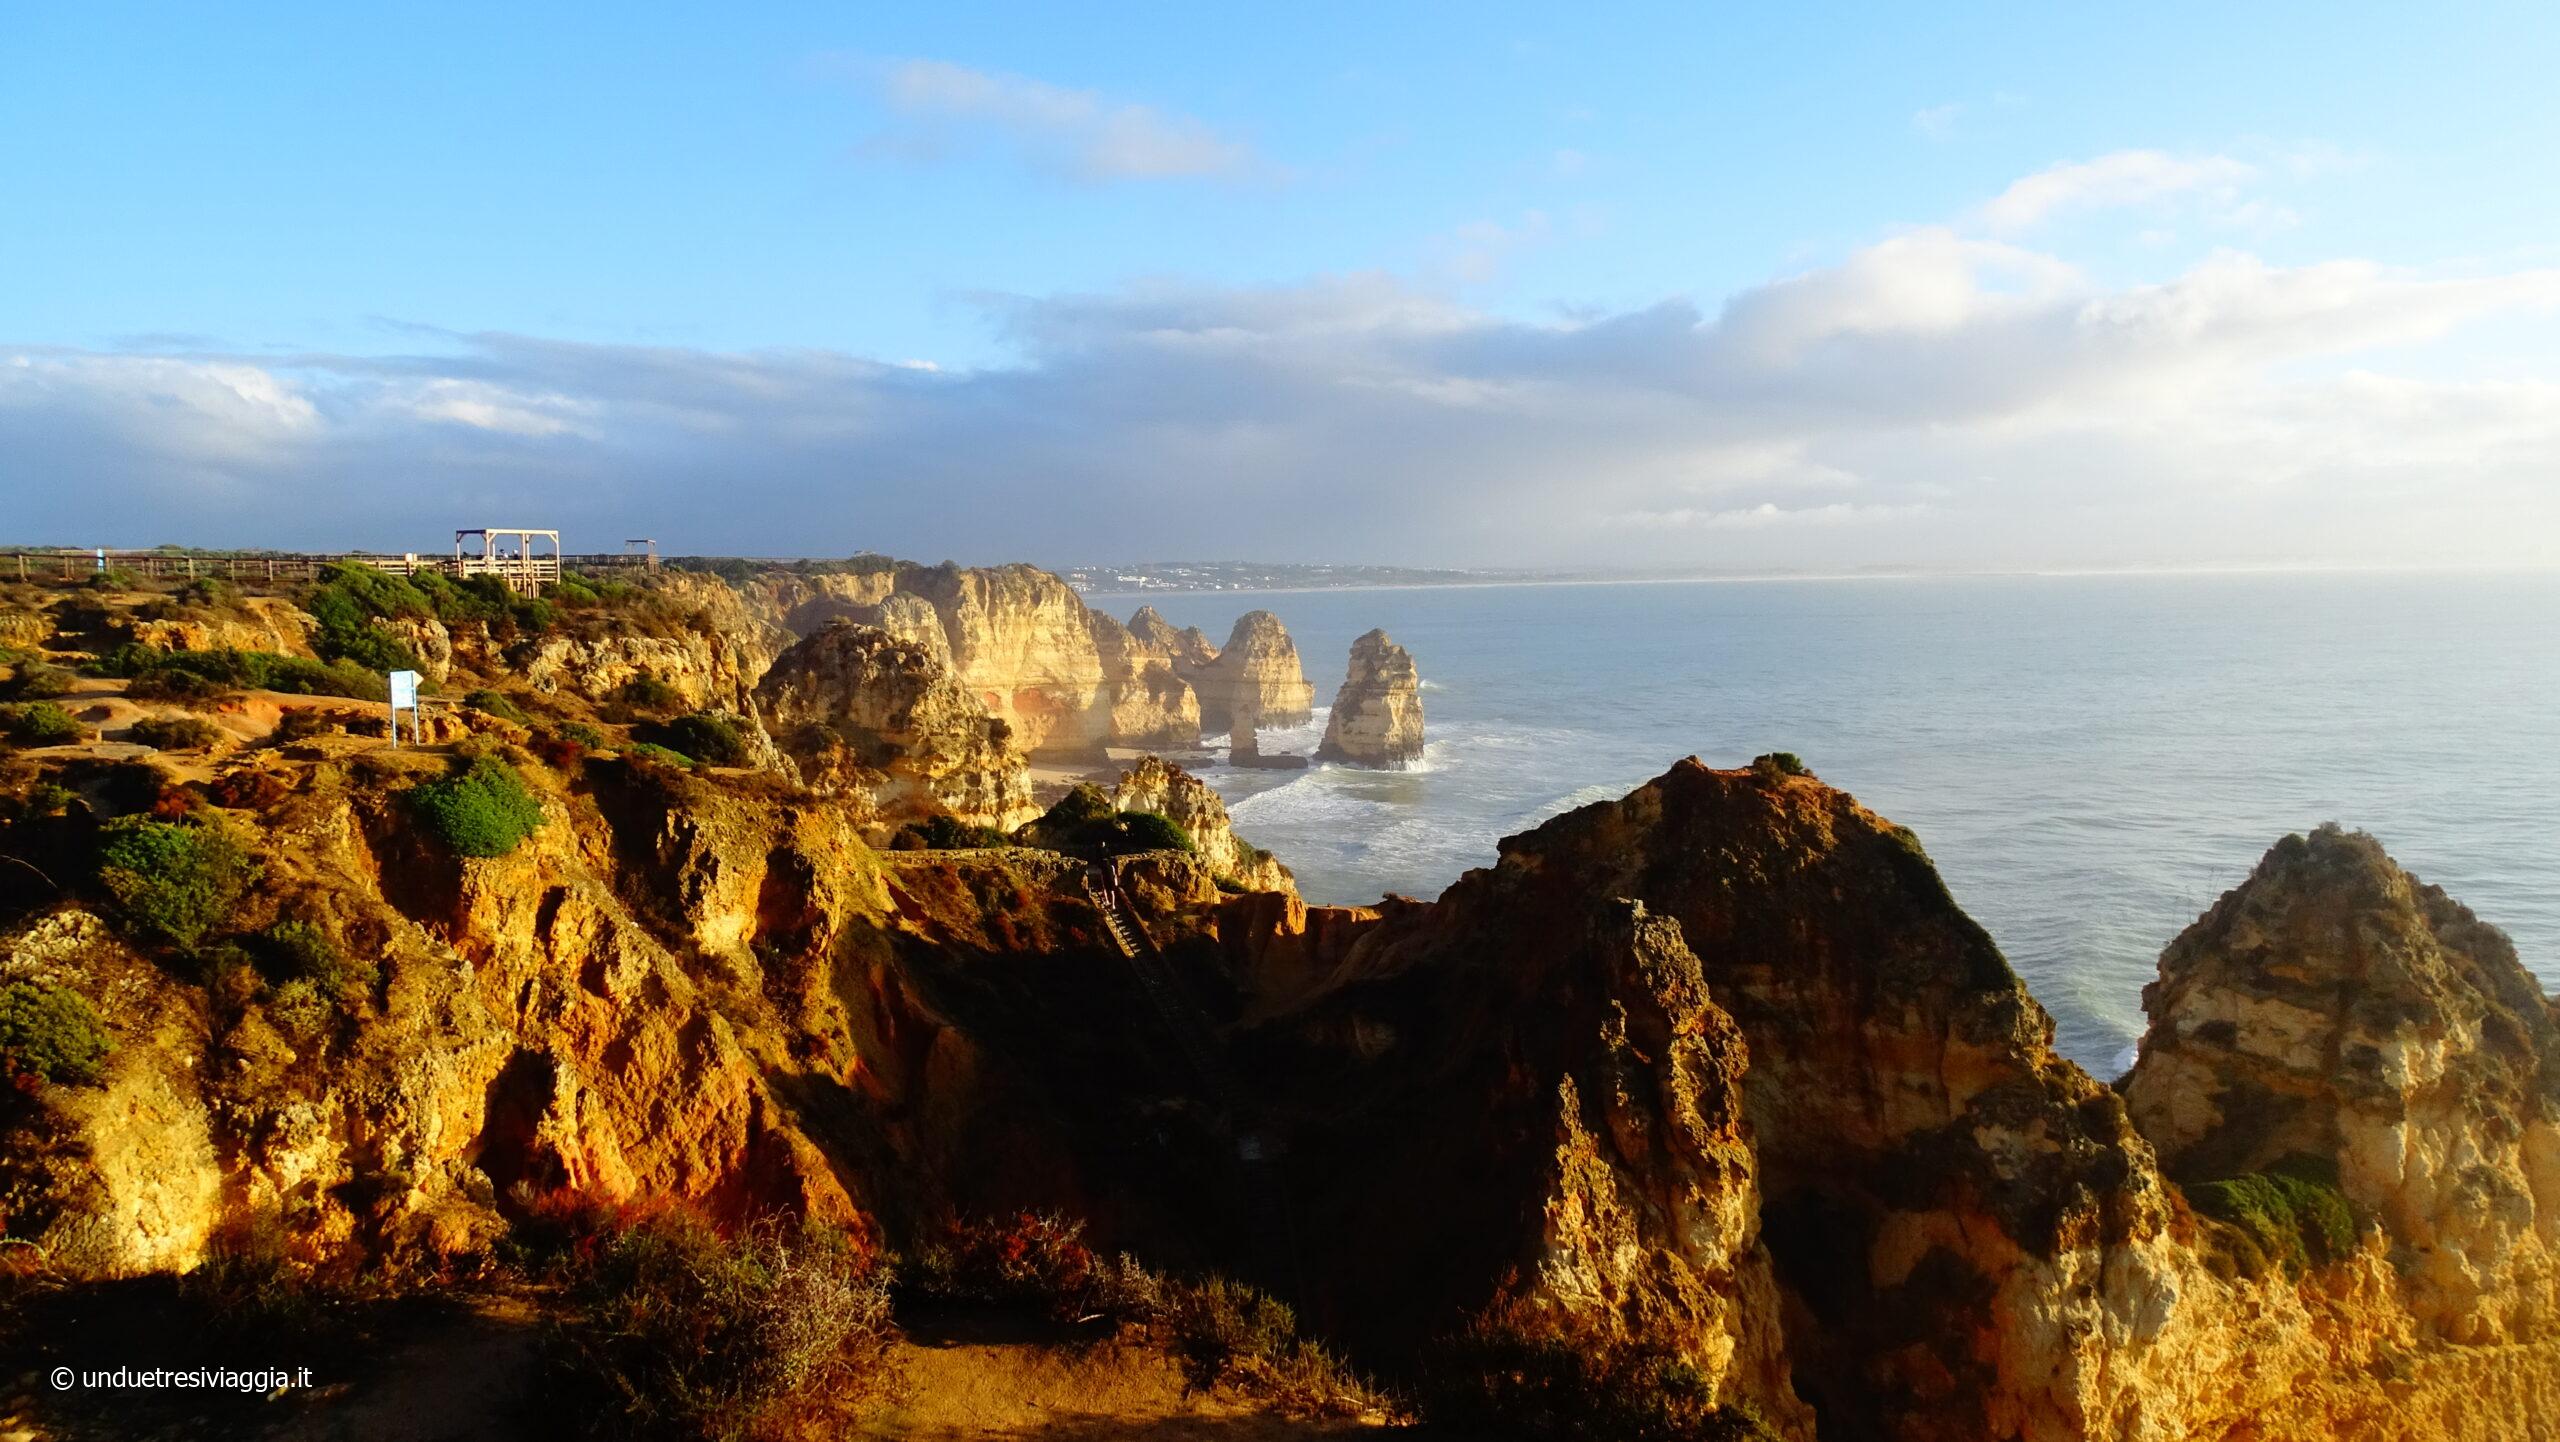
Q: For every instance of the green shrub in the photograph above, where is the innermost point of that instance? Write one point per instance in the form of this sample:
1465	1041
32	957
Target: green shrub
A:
657	755
174	881
209	593
174	733
706	736
51	1033
193	675
1499	1381
582	733
295	950
351	596
300	1011
1779	763
1085	823
680	1333
33	680
2290	1217
497	704
945	833
645	692
41	723
483	809
572	592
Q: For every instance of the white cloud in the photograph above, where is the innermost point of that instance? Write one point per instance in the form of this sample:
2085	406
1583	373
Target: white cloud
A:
2120	178
1078	133
1938	122
1934	398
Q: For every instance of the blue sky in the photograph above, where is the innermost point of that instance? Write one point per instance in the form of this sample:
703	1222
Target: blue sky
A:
2168	287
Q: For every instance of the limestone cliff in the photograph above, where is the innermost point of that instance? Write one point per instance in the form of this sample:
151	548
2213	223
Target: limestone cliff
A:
860	711
1377	715
1533	1116
1157	785
1187	649
252	623
1256	680
2333	1009
1150	705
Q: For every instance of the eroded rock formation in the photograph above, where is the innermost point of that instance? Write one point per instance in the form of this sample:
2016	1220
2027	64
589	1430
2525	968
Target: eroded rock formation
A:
1150	705
1256	676
2333	1010
1157	785
858	710
1377	715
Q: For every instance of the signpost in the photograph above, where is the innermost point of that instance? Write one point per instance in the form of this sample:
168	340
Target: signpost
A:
404	695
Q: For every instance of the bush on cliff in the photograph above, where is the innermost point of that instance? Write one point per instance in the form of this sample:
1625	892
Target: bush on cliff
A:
707	736
37	680
1780	763
645	692
174	881
202	675
946	833
1505	1381
173	733
295	950
2290	1217
682	1333
41	723
498	704
351	596
1085	823
50	1033
482	809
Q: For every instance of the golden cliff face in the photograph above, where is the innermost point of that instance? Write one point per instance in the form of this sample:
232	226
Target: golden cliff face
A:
1157	785
2334	1011
1377	714
861	711
1068	681
1256	679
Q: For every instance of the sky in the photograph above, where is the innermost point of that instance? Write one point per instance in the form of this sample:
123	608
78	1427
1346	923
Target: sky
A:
1713	288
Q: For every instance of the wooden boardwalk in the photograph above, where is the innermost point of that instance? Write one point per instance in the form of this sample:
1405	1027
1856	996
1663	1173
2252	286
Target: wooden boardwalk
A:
74	567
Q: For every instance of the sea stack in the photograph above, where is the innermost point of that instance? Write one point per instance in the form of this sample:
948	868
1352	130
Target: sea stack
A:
1257	676
1377	715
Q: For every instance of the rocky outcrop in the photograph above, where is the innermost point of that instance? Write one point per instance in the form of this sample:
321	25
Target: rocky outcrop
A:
2334	1011
860	711
710	671
1157	785
1256	680
1150	705
1377	715
1533	1123
1187	649
251	623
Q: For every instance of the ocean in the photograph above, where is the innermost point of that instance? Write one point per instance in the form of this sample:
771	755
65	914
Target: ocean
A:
2090	760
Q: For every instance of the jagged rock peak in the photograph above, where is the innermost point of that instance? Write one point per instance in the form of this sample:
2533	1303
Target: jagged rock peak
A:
2336	1011
1377	715
1157	785
862	711
1186	648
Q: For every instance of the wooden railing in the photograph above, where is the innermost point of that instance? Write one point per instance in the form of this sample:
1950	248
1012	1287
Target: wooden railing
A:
71	567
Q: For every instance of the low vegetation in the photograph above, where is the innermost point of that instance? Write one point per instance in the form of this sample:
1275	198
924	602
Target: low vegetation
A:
498	704
945	833
32	679
645	692
2292	1218
1780	763
206	675
482	809
174	733
49	1034
679	1332
1223	1332
174	881
1501	1380
1085	823
41	723
350	598
710	737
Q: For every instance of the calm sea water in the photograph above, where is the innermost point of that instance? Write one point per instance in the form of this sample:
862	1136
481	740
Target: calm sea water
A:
2091	761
